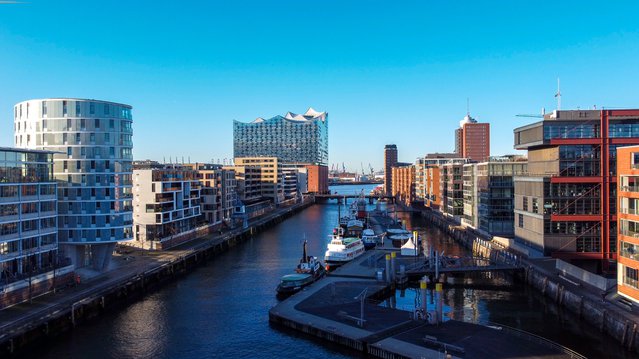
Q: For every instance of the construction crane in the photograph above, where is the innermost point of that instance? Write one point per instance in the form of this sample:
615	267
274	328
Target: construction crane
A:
362	165
371	168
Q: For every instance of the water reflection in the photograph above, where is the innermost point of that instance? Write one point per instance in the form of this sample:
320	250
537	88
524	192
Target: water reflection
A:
221	309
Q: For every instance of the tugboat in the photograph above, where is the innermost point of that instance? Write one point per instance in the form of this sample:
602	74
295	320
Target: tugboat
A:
307	271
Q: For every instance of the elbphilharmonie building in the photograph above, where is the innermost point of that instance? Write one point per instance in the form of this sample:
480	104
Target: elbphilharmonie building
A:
293	138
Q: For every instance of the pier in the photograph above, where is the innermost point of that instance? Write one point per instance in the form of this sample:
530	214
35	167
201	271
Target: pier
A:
346	308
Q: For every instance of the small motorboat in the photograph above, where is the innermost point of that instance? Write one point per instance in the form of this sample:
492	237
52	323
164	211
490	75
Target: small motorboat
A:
369	238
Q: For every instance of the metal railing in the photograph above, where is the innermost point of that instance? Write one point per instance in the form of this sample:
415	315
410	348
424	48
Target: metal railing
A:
535	339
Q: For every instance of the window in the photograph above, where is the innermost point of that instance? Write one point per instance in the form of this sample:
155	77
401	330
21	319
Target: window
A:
525	204
69	151
44	124
97	123
83	124
68	123
44	108
535	205
106	108
111	123
92	108
520	220
64	108
77	108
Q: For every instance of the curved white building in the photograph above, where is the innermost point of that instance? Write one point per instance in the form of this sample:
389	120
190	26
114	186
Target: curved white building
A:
93	166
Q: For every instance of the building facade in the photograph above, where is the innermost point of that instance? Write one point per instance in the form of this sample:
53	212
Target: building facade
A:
28	214
451	190
494	194
628	222
472	139
317	178
92	141
404	184
166	205
271	179
293	138
566	205
218	192
390	161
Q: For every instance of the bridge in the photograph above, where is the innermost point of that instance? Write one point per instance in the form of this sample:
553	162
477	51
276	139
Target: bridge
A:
340	197
453	265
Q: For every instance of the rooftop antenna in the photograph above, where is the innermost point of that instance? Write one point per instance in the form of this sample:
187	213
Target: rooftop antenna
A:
558	95
467	107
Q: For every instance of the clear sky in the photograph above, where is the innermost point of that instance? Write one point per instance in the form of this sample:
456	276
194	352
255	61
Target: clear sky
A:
386	71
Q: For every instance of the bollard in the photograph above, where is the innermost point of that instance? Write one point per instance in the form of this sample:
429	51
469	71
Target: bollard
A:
393	255
439	299
422	288
388	268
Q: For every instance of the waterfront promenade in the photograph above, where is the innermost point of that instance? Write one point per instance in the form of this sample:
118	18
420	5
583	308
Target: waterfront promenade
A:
131	266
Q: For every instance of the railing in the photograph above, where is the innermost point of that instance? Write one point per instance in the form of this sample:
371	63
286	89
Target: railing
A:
535	339
630	188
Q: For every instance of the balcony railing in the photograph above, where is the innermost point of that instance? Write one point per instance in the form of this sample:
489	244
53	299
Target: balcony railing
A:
630	188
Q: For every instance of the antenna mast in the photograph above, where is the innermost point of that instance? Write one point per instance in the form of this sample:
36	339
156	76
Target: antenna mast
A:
558	95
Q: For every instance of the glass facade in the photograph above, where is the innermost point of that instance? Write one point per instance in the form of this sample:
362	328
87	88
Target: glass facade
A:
292	138
92	141
28	214
570	130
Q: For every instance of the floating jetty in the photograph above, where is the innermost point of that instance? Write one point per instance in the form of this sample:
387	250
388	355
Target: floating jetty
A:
344	308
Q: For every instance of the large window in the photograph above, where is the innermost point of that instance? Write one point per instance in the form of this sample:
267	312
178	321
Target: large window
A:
631	277
567	130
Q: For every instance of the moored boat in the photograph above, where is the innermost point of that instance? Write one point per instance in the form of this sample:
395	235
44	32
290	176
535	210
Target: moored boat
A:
342	250
307	271
369	238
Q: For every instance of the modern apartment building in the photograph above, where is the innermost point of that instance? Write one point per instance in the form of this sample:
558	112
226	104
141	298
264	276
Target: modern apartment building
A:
427	176
489	194
566	205
403	179
92	141
390	161
451	189
166	205
218	192
28	214
271	178
472	139
628	222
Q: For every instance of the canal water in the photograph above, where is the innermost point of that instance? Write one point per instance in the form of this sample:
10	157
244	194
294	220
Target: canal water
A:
221	309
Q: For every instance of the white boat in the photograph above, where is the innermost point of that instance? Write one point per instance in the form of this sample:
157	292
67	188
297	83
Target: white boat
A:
341	250
369	238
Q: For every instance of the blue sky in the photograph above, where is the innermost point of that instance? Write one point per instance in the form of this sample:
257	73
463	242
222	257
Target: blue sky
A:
386	71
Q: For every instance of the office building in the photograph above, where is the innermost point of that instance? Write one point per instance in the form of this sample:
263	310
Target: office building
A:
92	141
317	179
166	206
566	205
451	190
472	139
390	161
427	184
628	222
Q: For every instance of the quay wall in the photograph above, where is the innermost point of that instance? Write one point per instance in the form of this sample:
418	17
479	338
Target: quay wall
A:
80	307
608	320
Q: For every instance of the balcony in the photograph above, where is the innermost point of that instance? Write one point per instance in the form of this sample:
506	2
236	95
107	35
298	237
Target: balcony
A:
629	188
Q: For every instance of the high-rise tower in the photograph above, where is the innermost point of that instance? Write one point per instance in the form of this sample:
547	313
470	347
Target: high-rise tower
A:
92	141
390	160
472	139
